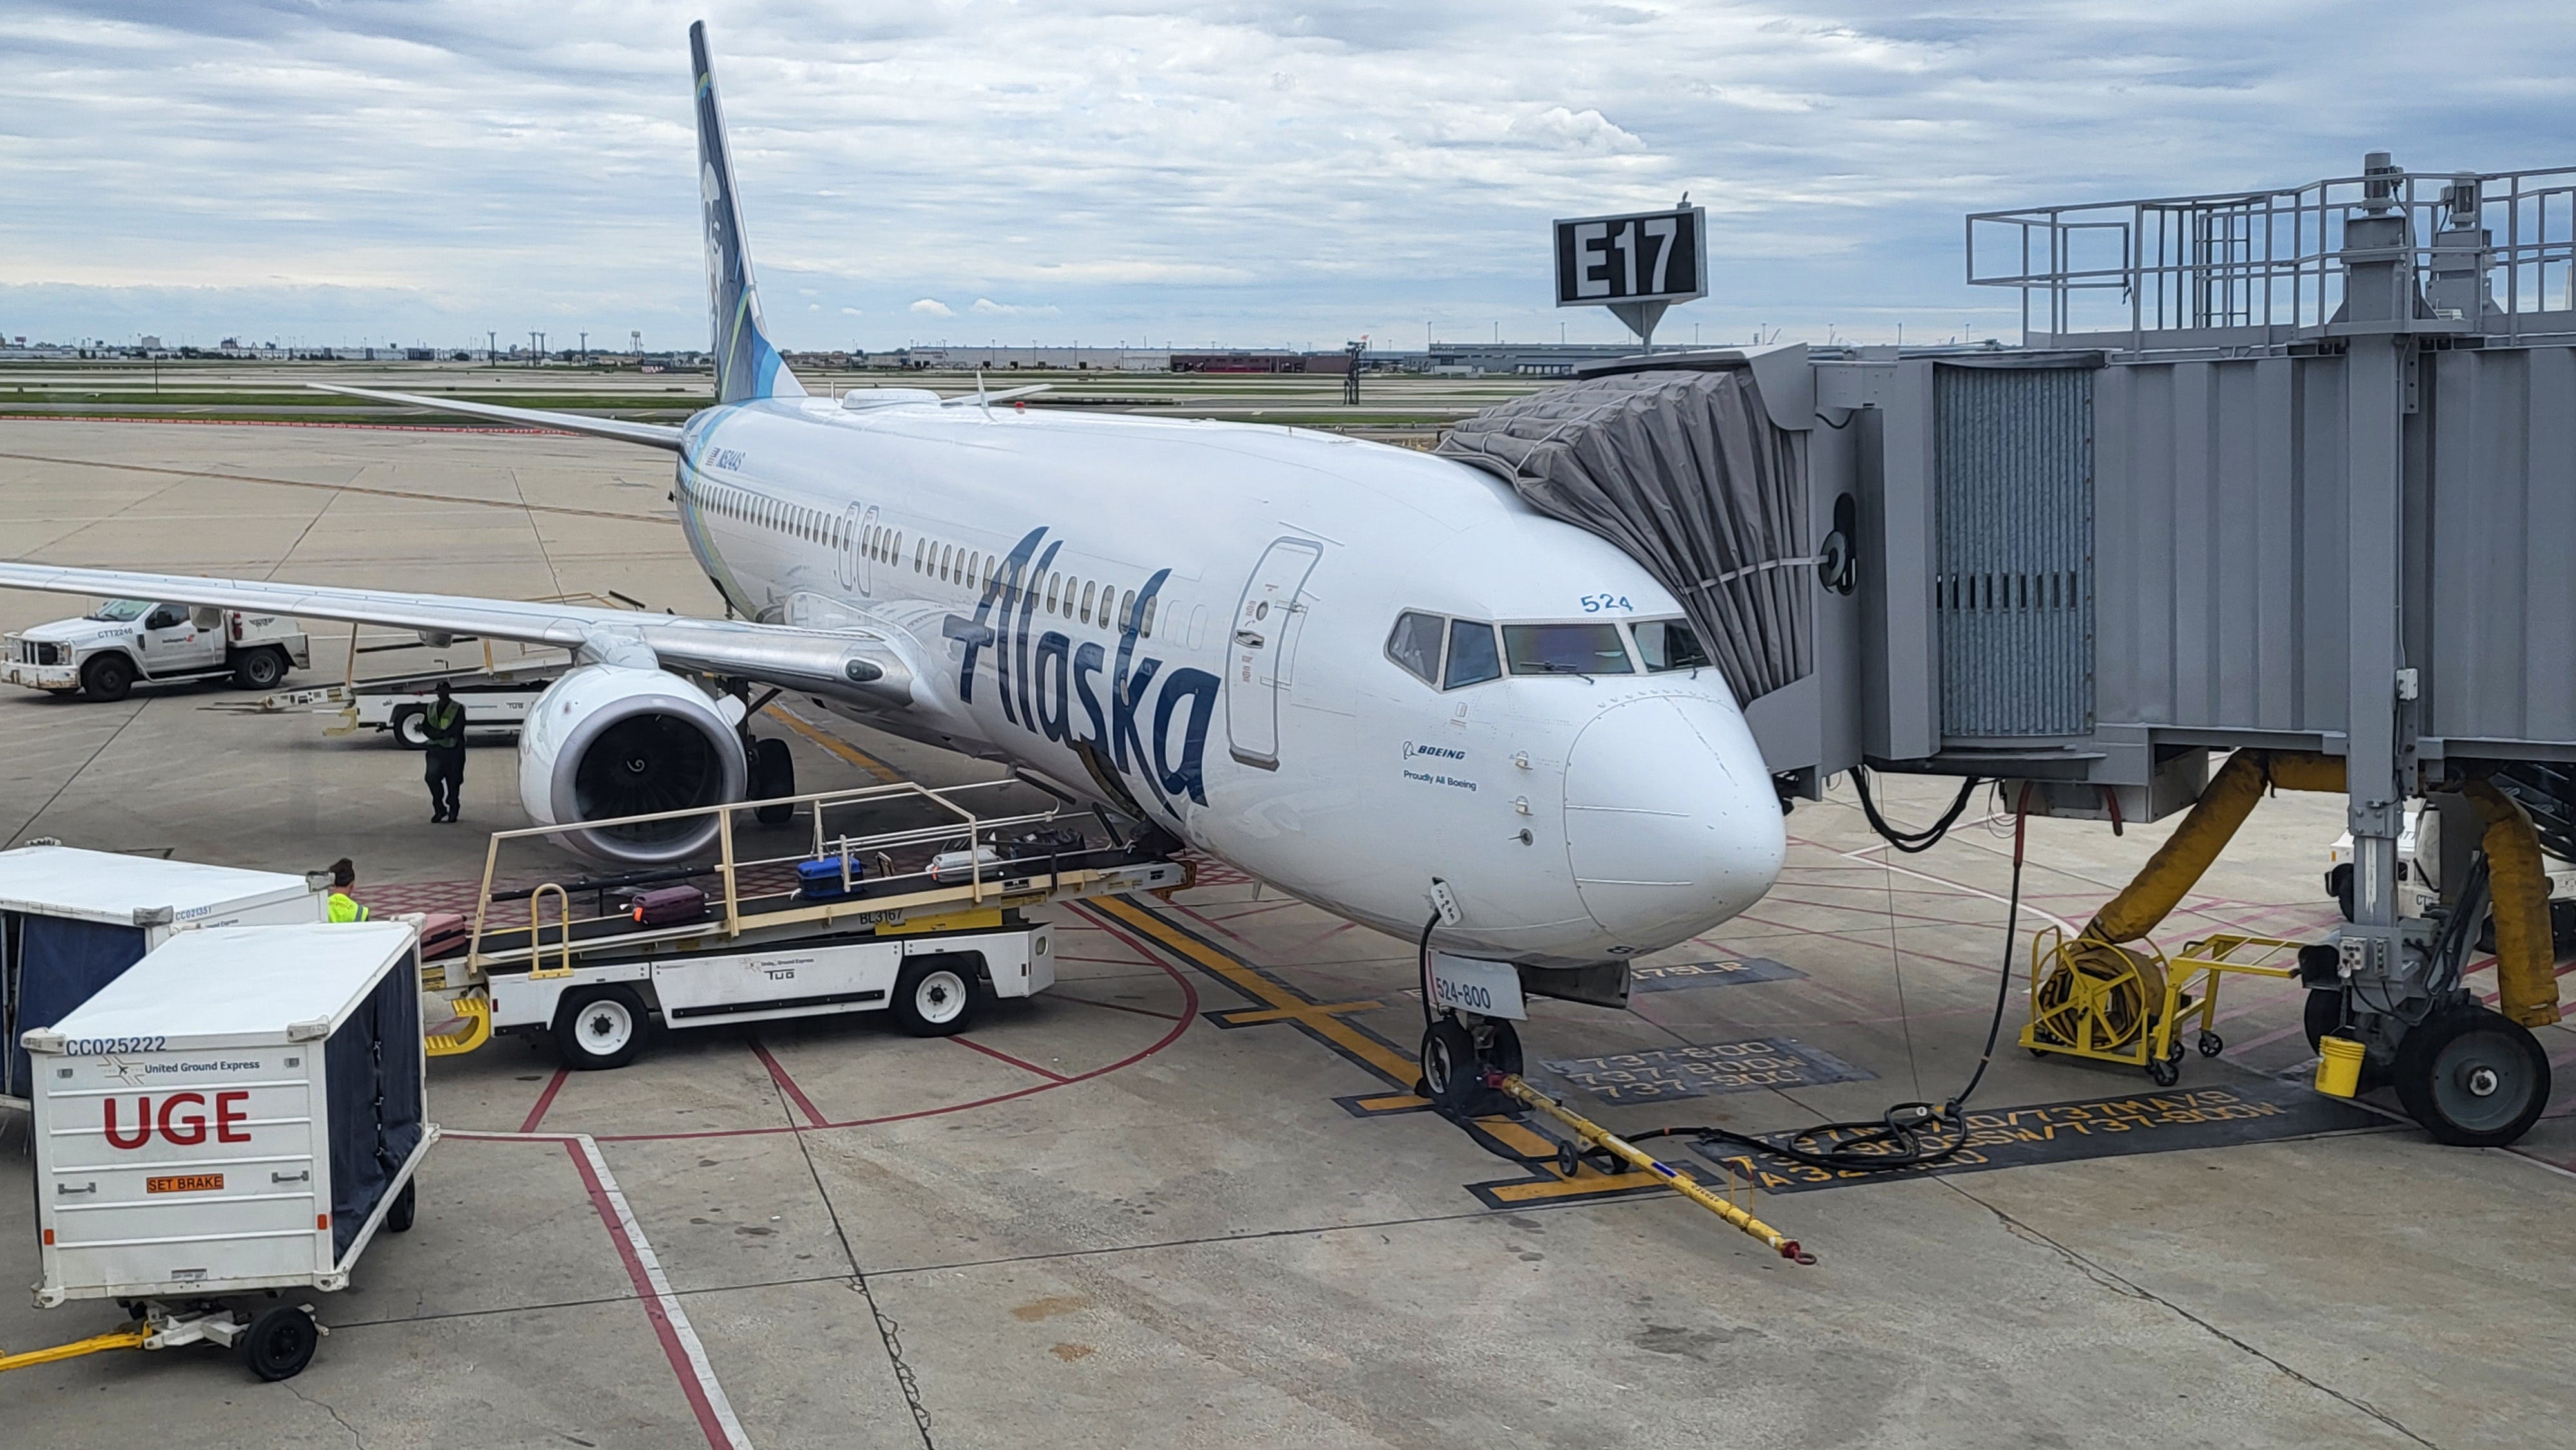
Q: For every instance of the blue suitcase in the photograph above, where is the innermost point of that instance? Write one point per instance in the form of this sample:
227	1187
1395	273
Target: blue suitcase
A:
822	881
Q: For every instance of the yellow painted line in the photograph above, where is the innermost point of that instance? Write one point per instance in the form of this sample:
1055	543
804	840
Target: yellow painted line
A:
1286	1006
1309	1014
1394	1065
1542	1189
835	744
1393	1102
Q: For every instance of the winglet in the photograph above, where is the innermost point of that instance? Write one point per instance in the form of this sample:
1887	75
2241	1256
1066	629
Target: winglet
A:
747	365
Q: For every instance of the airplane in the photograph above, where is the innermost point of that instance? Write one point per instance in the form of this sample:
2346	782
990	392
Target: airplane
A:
1373	678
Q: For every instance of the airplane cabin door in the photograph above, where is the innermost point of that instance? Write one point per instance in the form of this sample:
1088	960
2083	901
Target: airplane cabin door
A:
858	571
1258	669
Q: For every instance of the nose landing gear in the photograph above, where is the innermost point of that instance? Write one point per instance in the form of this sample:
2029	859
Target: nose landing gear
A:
1459	1052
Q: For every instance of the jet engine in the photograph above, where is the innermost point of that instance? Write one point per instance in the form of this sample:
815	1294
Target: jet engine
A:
608	741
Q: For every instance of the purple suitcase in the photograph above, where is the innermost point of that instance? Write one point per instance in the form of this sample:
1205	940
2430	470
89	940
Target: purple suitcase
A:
669	906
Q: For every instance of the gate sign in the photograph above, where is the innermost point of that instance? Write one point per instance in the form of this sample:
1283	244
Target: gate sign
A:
1652	256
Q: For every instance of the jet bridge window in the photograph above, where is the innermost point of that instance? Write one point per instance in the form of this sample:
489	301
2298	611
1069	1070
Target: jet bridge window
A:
1665	645
1565	649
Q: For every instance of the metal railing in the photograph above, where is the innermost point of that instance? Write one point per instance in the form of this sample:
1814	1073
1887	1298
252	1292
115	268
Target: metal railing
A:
756	890
2490	252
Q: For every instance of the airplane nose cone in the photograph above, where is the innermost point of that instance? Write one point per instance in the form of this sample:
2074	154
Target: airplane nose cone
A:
1671	825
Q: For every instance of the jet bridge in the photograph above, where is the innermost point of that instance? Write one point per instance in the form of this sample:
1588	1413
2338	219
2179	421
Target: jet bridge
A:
2283	471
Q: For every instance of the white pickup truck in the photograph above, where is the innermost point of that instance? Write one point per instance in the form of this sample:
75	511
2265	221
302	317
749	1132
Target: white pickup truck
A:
105	652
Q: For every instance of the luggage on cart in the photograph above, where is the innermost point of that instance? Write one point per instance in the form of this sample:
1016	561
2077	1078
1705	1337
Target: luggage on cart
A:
444	934
1045	843
669	906
823	880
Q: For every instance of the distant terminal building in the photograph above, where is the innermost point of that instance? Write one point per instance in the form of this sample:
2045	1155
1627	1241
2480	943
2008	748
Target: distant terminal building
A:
1335	363
997	358
1519	359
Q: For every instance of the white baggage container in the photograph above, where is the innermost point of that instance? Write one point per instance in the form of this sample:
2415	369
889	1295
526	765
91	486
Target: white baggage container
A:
240	1111
72	920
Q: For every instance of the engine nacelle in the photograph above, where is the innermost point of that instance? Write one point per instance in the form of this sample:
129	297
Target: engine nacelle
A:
607	741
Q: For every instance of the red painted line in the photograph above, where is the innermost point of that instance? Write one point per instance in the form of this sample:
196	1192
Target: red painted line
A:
1013	1061
545	1100
1113	1006
787	1085
1211	923
672	1349
1258	910
274	423
1189	1014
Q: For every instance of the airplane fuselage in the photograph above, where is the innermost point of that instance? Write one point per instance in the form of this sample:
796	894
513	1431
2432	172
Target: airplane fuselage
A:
1196	623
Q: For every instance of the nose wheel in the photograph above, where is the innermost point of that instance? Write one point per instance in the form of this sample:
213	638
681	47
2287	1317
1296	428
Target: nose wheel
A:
1457	1054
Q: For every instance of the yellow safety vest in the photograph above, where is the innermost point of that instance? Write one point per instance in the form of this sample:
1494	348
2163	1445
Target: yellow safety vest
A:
344	909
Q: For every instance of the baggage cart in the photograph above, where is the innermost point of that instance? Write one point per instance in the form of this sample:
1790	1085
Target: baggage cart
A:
71	921
231	1120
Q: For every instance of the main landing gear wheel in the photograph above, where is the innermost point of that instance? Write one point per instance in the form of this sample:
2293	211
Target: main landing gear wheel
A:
596	1028
280	1342
2474	1078
937	996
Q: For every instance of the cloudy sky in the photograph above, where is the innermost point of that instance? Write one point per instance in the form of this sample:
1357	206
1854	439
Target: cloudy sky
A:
1162	170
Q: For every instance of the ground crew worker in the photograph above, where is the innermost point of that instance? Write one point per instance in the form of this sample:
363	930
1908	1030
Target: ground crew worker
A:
442	725
344	874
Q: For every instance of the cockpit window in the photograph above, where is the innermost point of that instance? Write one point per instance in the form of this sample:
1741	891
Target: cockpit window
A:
1565	649
1668	644
1472	659
1415	644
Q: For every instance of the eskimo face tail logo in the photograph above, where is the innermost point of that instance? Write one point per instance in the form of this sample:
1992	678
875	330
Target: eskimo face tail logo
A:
1041	680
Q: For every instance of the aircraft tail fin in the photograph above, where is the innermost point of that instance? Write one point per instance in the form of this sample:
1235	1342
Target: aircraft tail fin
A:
747	365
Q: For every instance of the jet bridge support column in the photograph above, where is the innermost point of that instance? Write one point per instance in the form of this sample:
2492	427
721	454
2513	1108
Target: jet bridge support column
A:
2379	312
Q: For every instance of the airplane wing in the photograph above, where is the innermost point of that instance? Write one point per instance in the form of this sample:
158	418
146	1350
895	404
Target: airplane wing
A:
872	666
653	435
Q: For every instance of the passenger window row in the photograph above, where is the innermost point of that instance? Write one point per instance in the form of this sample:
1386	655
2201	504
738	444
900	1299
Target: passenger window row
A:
1450	654
796	520
1087	601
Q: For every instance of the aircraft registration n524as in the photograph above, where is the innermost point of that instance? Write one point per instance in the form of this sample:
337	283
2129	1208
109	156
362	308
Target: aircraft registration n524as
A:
1348	669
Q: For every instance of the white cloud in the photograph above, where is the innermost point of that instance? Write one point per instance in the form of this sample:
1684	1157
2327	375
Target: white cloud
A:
1216	168
987	307
1559	129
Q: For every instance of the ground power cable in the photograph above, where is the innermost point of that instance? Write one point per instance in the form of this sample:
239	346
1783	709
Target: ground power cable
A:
1907	1135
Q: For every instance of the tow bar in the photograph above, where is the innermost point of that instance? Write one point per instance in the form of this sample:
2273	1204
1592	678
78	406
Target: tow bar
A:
1682	1183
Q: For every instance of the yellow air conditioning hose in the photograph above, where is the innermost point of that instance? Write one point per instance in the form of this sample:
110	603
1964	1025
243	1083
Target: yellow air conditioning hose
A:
2526	973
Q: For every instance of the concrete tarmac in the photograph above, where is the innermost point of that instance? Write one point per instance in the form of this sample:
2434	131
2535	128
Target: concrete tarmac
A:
1187	1198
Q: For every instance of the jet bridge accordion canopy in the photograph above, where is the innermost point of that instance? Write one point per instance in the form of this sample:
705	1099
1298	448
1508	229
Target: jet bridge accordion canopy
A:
1687	474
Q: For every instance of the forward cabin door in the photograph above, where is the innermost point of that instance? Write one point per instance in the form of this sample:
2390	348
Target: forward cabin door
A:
1264	640
858	571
